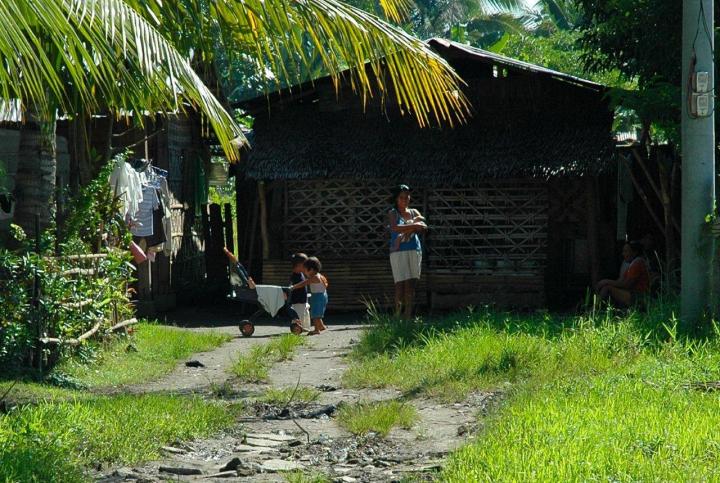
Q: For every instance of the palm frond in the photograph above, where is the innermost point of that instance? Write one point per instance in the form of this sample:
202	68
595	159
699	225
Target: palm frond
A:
103	50
382	58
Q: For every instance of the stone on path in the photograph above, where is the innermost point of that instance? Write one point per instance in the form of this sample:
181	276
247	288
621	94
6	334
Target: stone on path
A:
275	465
173	450
246	448
232	465
272	437
223	474
180	471
267	443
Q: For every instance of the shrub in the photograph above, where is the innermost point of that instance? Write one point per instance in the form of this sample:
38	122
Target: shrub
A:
68	304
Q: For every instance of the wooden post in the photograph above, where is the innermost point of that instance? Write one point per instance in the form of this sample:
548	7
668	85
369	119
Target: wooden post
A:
667	209
643	196
286	210
592	229
263	221
252	235
228	222
213	247
206	236
660	192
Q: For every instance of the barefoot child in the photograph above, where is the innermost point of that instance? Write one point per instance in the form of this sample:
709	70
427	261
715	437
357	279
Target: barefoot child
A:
299	296
318	293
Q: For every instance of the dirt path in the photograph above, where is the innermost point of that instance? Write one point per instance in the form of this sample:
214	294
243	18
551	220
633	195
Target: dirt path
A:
269	441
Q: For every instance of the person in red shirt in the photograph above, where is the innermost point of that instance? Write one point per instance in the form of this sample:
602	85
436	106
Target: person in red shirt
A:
634	280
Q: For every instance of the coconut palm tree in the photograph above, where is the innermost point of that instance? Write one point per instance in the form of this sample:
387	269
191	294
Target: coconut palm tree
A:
58	54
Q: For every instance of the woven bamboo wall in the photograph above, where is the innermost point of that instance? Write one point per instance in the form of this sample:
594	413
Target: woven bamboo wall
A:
353	282
486	243
494	227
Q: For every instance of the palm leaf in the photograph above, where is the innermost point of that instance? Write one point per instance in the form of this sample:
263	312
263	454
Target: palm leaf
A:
105	51
383	58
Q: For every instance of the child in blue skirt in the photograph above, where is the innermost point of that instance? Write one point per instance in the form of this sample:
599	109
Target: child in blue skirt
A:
318	293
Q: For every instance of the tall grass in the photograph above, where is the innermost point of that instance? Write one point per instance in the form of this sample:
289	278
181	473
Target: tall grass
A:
379	417
450	357
54	441
254	366
153	351
604	396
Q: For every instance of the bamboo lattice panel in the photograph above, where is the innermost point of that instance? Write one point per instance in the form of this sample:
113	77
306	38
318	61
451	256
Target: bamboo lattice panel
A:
338	218
568	201
497	226
352	282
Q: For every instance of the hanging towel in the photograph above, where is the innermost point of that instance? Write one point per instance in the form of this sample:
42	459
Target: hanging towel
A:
127	184
271	297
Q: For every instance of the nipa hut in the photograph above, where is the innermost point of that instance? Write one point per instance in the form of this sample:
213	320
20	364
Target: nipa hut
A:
518	199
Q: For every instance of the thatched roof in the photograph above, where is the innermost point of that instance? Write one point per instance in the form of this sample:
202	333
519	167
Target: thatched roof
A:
534	122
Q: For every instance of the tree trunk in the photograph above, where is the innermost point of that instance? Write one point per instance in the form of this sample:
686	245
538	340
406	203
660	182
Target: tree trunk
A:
35	178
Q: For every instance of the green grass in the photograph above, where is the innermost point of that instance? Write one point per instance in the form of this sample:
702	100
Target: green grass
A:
254	366
600	397
158	348
53	441
452	357
379	417
302	477
304	394
613	427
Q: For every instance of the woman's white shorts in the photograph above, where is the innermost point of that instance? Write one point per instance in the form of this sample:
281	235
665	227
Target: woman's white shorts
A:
406	264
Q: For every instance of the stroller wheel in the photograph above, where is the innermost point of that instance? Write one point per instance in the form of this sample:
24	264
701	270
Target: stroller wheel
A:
296	328
247	328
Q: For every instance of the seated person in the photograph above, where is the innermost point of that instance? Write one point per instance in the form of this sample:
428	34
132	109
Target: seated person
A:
634	280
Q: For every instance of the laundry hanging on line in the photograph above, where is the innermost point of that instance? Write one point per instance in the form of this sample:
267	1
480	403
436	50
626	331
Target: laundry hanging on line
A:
145	203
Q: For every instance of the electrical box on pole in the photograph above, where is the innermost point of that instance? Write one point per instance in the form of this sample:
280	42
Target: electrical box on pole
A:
698	159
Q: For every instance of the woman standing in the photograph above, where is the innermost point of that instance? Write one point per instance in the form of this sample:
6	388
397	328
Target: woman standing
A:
405	249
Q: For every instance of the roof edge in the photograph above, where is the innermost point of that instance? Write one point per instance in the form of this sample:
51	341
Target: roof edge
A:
481	54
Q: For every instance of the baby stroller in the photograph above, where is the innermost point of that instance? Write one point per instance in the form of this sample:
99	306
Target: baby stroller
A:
272	299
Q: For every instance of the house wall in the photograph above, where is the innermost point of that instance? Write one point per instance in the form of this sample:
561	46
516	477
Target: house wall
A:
487	244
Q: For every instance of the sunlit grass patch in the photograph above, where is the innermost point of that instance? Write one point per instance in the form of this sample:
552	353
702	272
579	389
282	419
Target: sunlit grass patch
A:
605	428
151	352
53	441
378	417
254	366
303	477
303	394
485	351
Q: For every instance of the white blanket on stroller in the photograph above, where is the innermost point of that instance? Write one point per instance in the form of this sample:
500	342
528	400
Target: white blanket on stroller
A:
271	297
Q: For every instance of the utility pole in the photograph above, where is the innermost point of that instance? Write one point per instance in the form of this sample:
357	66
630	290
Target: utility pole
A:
698	159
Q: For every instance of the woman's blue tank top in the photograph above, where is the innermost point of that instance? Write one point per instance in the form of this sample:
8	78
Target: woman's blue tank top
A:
412	244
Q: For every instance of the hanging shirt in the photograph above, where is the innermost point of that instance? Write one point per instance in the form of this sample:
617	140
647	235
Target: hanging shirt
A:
126	184
143	219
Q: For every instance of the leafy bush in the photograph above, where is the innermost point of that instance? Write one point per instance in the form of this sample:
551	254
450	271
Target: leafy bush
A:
69	303
59	312
94	215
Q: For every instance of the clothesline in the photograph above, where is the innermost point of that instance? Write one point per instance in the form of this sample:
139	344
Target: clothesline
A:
143	191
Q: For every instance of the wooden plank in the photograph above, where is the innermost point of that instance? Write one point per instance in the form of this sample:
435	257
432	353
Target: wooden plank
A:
228	226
